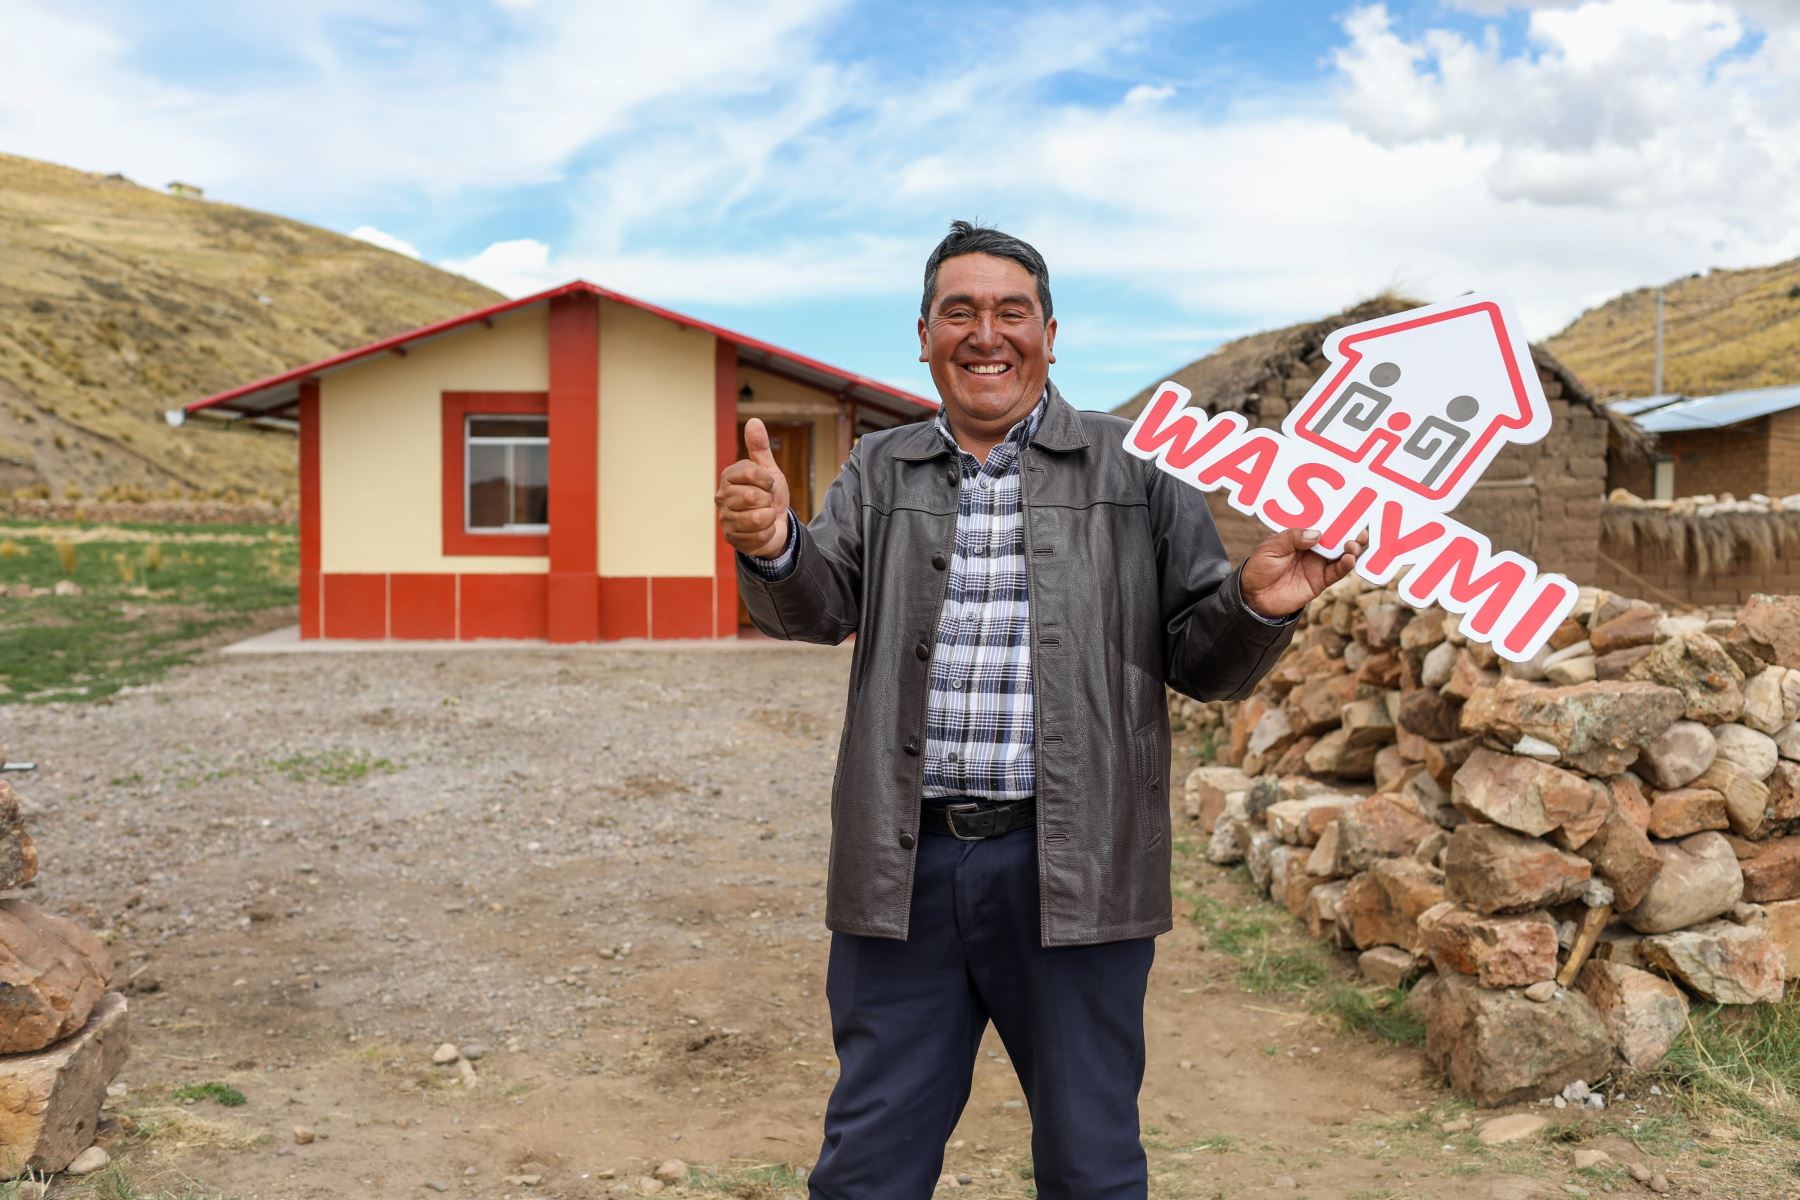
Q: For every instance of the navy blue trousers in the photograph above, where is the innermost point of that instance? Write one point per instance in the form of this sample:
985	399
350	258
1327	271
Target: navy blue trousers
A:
907	1018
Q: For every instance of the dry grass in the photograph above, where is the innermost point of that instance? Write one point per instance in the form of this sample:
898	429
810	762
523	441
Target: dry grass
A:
1722	330
118	302
1706	546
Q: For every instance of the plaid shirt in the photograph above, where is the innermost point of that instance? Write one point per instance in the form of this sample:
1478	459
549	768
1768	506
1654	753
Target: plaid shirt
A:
978	718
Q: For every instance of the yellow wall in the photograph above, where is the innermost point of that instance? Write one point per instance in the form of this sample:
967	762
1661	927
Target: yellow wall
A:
778	399
658	467
381	446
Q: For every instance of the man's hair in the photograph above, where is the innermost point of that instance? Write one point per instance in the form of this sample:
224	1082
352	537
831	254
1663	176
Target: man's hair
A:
968	238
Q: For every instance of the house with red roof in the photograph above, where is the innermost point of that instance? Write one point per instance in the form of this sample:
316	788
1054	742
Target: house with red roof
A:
544	468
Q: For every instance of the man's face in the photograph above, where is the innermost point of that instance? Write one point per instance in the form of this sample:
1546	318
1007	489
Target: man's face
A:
986	339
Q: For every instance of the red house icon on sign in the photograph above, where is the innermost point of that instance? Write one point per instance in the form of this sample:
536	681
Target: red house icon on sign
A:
1425	399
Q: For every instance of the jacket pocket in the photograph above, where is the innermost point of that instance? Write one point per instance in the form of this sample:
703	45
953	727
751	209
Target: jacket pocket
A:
1149	796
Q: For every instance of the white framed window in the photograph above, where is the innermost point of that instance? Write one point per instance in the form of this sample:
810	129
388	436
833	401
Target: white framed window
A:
506	473
1662	486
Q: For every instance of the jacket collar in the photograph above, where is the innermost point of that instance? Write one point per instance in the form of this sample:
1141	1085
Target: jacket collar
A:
1059	429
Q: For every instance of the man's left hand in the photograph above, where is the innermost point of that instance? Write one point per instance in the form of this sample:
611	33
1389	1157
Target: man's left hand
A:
1283	573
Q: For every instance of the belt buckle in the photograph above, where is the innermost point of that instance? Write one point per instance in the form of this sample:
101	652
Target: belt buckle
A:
950	811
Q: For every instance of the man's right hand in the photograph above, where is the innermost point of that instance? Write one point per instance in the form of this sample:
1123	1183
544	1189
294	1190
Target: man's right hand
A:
753	498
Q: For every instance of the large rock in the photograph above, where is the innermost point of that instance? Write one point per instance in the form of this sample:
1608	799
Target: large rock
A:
1595	727
1772	699
1231	832
1787	741
1700	879
1318	704
1387	966
1259	857
1774	872
1633	627
1443	758
1378	828
52	973
1770	627
1529	796
1288	881
1678	755
1300	822
1440	660
1720	961
1646	1014
1321	909
1338	756
1681	811
1381	907
1697	666
1368	722
1205	790
18	854
1746	797
1494	870
1781	921
1784	792
1430	714
1499	951
1497	1047
1273	733
1749	749
50	1099
1620	852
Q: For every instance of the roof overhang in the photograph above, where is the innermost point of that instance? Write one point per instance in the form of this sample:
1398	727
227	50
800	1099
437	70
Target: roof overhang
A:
274	402
1680	414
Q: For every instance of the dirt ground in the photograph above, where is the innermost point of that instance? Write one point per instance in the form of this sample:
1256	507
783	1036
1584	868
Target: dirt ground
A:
601	871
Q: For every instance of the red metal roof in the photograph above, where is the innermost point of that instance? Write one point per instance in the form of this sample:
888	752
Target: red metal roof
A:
265	399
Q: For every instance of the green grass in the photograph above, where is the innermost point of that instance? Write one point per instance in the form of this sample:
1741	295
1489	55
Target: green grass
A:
1273	958
145	605
224	1093
1375	1011
332	766
1743	1060
763	1181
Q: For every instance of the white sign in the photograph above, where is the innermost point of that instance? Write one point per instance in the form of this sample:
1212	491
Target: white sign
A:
1411	410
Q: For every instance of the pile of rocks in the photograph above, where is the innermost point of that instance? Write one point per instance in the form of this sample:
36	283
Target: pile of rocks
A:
1564	849
62	1033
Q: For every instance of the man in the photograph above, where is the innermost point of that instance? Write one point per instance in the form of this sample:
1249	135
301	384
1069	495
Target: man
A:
1021	589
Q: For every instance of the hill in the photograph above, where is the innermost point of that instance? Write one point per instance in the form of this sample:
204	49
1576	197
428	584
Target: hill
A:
118	302
1722	330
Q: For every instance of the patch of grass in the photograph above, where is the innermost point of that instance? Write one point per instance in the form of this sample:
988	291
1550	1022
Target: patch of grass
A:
1741	1061
331	766
224	1093
759	1181
1273	958
1379	1012
118	633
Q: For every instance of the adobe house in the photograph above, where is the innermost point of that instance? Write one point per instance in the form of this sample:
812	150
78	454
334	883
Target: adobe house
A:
1542	500
544	468
1743	443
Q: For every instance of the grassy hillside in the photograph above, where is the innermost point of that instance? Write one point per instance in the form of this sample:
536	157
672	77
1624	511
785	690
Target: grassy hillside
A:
1721	330
118	302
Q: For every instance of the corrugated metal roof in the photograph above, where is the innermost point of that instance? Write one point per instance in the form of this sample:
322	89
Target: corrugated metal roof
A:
1644	404
1716	412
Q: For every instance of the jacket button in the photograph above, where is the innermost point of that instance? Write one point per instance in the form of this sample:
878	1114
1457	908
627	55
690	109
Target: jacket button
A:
952	476
908	841
923	651
939	561
912	746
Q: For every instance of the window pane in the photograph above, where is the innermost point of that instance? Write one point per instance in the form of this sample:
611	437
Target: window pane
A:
509	427
487	487
531	485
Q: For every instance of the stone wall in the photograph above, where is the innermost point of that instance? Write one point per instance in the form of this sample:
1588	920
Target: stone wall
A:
1568	849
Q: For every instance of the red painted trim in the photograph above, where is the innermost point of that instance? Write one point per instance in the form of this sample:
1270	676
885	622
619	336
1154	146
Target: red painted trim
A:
356	606
624	608
725	392
503	606
311	593
422	606
574	356
681	607
579	286
457	407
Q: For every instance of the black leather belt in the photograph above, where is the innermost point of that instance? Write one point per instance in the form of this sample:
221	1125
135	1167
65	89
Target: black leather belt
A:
972	821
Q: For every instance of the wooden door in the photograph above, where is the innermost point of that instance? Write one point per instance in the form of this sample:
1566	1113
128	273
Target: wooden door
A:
791	444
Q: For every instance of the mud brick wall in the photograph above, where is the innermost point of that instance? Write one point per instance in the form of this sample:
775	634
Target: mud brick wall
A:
1542	500
1761	456
1647	574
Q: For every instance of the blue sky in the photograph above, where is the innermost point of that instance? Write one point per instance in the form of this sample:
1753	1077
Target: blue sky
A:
1191	171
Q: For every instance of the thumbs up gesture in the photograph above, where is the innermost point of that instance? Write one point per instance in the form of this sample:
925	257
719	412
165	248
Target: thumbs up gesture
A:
753	498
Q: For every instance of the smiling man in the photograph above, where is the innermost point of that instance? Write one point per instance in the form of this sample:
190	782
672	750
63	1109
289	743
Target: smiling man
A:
1022	589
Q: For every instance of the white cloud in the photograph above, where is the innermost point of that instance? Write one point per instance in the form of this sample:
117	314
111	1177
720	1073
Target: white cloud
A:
387	241
1145	95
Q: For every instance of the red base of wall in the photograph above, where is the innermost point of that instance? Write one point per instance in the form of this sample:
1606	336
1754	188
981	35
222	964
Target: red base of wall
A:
466	607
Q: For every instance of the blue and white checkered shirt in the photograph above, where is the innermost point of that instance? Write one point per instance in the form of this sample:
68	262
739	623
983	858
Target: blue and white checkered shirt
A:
978	717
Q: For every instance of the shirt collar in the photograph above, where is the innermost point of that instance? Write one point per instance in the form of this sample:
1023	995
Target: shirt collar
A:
1019	434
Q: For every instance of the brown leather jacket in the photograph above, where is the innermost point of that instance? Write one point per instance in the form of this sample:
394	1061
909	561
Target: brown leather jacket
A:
1130	589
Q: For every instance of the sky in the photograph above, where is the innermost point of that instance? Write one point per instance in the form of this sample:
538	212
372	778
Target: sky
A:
1191	171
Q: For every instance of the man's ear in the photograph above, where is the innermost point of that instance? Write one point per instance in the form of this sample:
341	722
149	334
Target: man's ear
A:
1050	340
923	357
